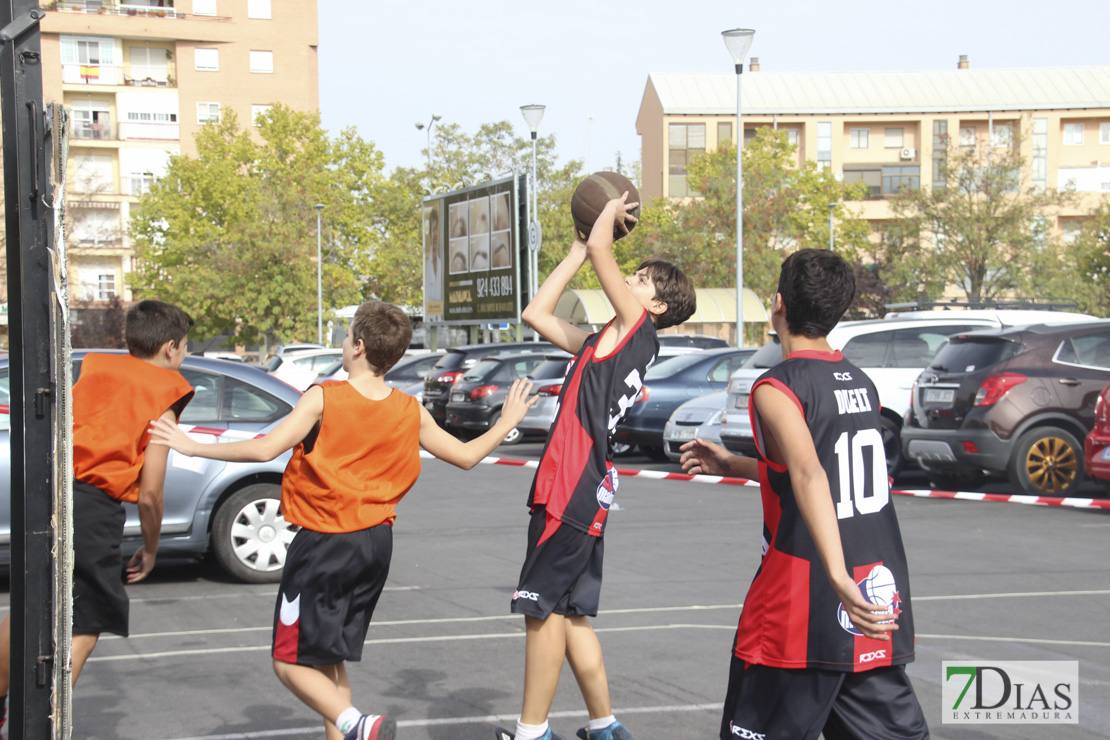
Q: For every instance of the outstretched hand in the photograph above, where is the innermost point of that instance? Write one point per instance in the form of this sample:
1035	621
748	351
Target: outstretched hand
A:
168	434
517	402
701	457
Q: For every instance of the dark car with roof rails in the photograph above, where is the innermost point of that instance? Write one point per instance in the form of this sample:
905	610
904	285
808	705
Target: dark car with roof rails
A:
1015	402
456	361
477	397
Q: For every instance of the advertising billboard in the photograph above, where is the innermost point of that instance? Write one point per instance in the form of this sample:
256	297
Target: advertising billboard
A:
472	254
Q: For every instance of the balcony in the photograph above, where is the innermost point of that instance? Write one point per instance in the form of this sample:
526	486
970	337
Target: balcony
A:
109	7
126	131
129	75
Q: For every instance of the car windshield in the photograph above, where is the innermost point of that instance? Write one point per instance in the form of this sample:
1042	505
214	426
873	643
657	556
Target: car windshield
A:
550	369
673	366
331	369
968	355
482	370
766	356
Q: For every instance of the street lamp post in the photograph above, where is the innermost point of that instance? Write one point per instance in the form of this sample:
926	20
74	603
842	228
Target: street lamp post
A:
738	41
319	280
832	242
421	127
533	114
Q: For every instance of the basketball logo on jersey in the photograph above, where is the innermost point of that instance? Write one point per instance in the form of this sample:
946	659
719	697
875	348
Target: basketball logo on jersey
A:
878	588
607	489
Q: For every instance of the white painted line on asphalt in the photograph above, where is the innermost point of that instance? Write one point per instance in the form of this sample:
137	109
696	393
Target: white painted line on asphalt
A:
478	720
1016	595
238	595
1030	640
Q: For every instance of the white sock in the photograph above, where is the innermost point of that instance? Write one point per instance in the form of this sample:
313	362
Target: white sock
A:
602	722
347	718
530	732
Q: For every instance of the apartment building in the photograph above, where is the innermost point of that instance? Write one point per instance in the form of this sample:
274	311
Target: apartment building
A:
140	78
890	130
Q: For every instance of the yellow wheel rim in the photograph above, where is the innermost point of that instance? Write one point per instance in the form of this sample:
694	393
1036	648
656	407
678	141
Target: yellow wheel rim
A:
1052	464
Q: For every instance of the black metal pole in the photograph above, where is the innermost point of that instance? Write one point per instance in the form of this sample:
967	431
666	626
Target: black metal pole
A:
28	200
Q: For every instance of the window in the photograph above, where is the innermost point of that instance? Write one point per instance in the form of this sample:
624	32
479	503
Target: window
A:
207	60
208	112
860	138
1002	136
93	173
262	62
1092	350
867	350
1104	133
153	117
967	136
940	153
916	347
792	136
824	144
896	179
90	123
892	138
149	66
141	182
105	286
724	135
872	178
1073	134
1039	163
687	140
259	110
258	8
204	7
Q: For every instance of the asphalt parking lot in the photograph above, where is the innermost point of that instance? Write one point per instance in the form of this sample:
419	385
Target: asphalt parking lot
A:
990	581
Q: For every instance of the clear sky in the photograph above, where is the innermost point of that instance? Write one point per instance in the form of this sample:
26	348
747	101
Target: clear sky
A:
386	65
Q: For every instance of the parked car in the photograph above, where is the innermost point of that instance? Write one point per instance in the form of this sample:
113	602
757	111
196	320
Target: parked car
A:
477	397
697	341
229	509
409	370
455	361
699	417
547	379
667	385
224	355
299	369
892	352
1096	457
1010	401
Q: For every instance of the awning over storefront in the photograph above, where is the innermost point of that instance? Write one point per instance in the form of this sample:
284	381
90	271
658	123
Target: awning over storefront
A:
715	306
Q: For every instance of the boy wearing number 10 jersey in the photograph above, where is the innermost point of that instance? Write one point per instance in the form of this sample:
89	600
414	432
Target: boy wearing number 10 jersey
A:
826	628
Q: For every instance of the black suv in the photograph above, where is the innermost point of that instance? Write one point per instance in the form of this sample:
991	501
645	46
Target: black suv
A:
438	381
1017	401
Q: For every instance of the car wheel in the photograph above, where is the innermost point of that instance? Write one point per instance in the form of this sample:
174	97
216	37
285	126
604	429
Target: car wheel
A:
249	536
955	482
892	444
513	437
1047	461
621	448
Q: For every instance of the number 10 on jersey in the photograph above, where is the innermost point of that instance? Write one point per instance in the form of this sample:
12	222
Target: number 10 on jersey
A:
864	489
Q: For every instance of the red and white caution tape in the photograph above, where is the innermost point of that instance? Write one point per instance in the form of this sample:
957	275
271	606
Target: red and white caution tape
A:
1078	503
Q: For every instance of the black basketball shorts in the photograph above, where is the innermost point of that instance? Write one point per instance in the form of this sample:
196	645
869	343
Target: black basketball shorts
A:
99	599
562	570
329	588
801	703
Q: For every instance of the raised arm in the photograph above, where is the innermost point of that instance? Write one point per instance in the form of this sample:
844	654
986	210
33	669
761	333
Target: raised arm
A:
466	455
616	214
292	429
540	311
789	442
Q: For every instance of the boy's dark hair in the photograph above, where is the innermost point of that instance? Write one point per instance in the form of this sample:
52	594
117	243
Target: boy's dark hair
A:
817	286
672	287
150	324
385	332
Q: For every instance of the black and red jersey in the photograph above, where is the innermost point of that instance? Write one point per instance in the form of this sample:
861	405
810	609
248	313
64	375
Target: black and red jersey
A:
576	479
792	618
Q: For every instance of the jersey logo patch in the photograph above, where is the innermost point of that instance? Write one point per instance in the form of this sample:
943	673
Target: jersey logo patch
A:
607	489
878	588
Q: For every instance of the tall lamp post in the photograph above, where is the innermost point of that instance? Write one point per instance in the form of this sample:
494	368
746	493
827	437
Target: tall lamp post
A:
832	242
319	280
533	114
738	41
421	127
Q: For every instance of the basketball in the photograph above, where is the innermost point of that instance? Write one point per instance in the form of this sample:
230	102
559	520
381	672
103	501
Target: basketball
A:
593	193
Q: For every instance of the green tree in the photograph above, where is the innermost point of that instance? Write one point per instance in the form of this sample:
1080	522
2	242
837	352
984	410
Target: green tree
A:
982	227
230	235
1091	255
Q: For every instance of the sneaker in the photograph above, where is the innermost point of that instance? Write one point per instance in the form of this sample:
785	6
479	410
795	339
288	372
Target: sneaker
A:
372	727
615	731
502	734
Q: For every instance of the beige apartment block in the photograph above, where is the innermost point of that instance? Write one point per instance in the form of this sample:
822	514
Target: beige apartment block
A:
889	129
139	79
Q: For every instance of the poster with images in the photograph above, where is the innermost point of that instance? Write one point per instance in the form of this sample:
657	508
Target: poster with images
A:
433	260
481	234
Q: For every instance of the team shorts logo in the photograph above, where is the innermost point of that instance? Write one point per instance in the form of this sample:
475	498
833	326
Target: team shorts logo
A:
529	595
745	734
878	588
607	489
